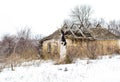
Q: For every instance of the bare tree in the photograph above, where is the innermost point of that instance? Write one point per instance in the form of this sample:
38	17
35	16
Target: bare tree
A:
23	39
37	45
113	24
24	33
114	27
68	22
7	44
38	37
81	14
98	22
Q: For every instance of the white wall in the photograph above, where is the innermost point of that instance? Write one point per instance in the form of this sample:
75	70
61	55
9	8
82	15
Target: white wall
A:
119	44
62	51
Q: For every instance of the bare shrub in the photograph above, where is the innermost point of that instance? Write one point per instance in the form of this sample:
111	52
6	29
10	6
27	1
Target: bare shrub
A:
7	44
117	51
24	40
66	60
114	27
18	48
78	50
26	47
92	50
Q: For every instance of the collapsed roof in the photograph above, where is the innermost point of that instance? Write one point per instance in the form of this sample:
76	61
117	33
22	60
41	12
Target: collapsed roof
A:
78	32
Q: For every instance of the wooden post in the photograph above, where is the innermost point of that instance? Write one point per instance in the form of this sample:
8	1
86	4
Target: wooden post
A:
12	67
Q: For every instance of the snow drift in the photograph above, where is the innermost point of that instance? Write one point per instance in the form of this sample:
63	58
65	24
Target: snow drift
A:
106	69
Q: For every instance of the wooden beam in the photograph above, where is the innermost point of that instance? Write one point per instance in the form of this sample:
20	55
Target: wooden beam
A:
84	36
81	32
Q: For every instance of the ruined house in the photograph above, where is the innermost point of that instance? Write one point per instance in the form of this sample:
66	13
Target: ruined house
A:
81	42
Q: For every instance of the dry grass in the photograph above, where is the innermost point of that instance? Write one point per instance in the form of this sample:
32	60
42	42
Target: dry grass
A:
66	60
48	56
14	59
92	49
83	49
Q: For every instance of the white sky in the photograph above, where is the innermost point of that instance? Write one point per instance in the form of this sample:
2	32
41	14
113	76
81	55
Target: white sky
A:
44	16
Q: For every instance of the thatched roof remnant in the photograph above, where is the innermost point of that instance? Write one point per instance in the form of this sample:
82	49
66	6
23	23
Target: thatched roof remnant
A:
102	33
82	33
54	35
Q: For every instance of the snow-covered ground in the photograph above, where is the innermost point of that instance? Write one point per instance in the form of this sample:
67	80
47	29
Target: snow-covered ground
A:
100	70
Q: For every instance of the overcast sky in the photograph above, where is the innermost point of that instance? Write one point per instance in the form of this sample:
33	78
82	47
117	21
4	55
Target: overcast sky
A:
45	16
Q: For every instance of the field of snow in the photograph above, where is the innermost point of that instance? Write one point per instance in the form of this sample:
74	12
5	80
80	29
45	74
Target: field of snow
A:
106	69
